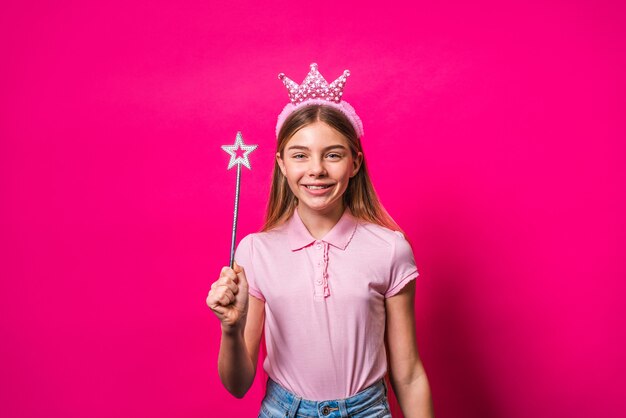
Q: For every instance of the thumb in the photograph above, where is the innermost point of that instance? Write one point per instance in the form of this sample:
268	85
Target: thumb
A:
241	274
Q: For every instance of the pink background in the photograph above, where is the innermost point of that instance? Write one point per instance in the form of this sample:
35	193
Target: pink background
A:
495	136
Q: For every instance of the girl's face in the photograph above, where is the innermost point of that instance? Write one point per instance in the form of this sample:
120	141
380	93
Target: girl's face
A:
318	165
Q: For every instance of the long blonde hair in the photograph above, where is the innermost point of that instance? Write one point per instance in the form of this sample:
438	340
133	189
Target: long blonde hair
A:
360	196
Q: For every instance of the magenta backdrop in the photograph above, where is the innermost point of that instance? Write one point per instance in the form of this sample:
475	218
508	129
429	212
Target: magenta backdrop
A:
495	136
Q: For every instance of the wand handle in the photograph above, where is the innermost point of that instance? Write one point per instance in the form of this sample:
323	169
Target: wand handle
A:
235	215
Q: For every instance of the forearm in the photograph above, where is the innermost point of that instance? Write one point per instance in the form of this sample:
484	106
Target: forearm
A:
235	366
414	397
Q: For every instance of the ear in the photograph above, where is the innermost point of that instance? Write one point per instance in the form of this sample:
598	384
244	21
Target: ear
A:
281	164
356	164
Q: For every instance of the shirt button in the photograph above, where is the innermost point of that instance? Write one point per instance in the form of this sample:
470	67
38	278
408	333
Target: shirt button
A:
318	281
318	245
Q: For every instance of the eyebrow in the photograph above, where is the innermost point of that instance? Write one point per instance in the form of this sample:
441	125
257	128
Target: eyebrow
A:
301	147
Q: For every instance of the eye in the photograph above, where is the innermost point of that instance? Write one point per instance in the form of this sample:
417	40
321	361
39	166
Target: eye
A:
298	156
334	156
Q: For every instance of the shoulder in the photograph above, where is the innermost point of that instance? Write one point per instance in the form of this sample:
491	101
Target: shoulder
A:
380	234
392	244
264	238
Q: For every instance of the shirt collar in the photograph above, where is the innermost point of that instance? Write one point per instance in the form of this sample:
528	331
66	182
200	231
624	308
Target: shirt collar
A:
339	236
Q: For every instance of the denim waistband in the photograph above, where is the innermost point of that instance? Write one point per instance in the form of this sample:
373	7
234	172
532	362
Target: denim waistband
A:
295	406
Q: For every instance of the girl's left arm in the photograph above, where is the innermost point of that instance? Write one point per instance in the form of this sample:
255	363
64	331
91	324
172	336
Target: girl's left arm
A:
407	374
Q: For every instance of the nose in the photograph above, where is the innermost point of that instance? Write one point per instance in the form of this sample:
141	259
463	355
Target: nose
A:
317	167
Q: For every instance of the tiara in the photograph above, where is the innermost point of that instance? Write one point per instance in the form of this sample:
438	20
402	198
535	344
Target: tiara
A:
316	90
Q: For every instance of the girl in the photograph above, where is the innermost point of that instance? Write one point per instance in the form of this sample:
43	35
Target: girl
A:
330	278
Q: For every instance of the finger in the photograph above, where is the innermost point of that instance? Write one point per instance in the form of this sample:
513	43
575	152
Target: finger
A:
210	301
228	272
213	298
226	282
241	273
227	298
221	289
216	296
232	286
219	309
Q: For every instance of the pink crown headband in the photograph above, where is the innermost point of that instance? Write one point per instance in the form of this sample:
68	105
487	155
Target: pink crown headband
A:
316	90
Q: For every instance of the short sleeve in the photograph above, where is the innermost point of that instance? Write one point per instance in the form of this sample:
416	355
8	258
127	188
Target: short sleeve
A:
403	268
243	257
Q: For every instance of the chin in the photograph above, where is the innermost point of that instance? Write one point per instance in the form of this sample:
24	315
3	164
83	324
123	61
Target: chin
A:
326	207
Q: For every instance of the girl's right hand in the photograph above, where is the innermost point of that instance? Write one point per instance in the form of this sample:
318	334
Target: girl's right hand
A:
228	298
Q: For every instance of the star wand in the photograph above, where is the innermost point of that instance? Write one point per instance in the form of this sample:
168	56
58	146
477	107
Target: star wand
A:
238	155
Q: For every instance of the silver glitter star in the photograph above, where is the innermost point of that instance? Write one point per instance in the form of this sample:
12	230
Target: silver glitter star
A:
239	152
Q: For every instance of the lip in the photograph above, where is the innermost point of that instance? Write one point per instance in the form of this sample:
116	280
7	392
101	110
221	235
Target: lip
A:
318	192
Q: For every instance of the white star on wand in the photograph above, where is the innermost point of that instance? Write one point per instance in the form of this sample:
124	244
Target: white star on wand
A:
238	155
235	152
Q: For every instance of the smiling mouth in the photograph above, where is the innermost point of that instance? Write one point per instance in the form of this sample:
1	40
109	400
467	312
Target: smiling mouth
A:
317	187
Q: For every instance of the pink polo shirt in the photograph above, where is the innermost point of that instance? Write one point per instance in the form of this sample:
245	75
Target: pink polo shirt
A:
325	302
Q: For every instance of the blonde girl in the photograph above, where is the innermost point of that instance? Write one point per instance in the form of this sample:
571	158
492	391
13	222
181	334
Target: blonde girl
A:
329	279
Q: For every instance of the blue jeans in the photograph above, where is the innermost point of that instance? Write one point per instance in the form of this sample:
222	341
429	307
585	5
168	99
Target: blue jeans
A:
371	402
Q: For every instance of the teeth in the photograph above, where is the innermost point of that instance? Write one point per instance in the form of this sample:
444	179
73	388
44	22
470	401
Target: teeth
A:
317	187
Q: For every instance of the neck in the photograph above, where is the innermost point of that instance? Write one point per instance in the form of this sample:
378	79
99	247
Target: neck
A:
320	223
